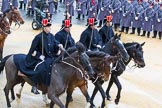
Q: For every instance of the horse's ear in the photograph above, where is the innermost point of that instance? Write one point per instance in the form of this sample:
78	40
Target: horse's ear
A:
143	44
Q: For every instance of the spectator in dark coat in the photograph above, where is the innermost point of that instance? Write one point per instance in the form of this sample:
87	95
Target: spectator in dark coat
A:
90	37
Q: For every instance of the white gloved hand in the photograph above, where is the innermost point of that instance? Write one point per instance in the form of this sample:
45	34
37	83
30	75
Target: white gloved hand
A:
112	11
120	9
98	46
61	47
90	9
136	18
102	9
42	57
124	15
146	18
158	20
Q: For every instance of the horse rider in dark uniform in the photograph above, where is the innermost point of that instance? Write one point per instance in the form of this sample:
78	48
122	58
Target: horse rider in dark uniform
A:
106	32
38	62
64	36
90	37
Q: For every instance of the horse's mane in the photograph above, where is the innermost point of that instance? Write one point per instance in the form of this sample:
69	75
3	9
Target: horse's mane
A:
96	54
130	44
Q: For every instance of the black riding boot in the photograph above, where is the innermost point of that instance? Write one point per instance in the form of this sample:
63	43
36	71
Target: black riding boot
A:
100	24
148	34
133	30
78	16
127	29
138	31
34	89
144	32
155	34
160	33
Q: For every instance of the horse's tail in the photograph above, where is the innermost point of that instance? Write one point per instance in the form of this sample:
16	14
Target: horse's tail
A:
2	63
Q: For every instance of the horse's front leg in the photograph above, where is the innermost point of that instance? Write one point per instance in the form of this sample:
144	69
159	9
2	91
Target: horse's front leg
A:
55	100
45	99
69	92
109	87
84	90
20	90
119	86
98	85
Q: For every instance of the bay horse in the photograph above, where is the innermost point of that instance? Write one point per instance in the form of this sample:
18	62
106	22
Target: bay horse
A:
135	52
65	73
13	15
4	31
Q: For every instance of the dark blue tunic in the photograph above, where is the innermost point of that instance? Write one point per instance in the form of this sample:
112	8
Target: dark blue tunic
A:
91	39
28	64
64	37
106	32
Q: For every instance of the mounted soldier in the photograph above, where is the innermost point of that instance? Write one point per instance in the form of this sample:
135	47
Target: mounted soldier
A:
106	32
90	37
64	36
38	62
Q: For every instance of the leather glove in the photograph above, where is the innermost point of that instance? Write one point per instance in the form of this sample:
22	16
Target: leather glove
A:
42	57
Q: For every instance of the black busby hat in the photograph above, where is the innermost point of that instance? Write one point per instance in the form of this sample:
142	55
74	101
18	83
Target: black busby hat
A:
66	23
92	21
46	22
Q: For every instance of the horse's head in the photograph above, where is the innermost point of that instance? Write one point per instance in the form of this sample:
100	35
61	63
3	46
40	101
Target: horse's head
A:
15	16
115	46
5	25
136	53
84	59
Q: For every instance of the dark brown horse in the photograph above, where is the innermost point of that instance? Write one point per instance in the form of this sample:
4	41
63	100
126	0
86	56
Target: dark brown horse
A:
135	52
12	15
66	73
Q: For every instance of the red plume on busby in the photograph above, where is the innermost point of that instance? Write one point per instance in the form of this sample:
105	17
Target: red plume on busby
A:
66	23
46	22
92	21
139	0
109	18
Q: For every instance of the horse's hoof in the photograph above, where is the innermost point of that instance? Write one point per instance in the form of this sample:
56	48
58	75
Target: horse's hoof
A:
92	106
47	105
18	95
109	98
116	101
